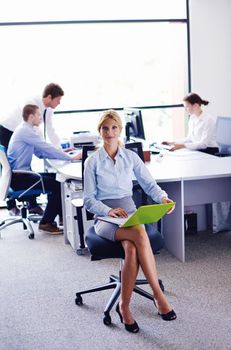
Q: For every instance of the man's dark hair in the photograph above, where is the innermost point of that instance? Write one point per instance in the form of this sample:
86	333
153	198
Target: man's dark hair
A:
27	110
54	90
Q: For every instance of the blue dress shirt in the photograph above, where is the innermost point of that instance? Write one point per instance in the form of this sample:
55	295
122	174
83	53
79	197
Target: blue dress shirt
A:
108	179
25	142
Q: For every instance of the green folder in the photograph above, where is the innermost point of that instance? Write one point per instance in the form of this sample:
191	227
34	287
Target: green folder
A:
145	214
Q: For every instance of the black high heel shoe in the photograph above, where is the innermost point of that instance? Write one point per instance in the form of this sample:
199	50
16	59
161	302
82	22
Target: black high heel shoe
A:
169	316
133	328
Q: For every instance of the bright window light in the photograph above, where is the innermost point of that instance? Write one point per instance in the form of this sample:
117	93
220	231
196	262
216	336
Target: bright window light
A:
56	10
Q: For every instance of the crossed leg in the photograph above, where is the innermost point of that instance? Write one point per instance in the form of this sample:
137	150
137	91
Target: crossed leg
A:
139	252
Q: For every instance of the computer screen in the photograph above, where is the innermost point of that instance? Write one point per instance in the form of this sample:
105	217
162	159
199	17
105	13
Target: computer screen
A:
134	124
223	135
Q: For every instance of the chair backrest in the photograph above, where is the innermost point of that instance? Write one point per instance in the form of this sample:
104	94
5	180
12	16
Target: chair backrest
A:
136	147
86	149
5	174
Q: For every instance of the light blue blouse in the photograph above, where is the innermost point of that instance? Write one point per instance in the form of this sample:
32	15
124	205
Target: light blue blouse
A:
108	179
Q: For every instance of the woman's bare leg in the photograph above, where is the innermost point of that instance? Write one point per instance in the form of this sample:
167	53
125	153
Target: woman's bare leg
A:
139	237
129	274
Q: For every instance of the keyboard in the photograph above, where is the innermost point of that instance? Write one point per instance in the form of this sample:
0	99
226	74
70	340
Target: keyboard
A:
155	147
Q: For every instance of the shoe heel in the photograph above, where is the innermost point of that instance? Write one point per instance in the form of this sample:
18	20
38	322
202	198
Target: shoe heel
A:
132	328
118	312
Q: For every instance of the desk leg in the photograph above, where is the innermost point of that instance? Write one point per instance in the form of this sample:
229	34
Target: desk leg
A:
173	224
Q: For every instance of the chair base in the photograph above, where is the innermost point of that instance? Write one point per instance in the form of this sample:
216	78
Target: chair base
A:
11	220
82	251
115	282
24	217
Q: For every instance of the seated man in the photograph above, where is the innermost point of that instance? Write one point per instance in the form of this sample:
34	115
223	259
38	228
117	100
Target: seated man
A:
25	142
50	99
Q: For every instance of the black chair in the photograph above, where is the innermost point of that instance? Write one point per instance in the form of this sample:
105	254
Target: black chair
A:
137	189
78	204
101	248
136	147
210	150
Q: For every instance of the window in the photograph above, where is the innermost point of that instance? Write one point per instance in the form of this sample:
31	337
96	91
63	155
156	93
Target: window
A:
43	10
103	56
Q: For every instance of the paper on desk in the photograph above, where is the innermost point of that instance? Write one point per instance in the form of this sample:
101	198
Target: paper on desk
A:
182	153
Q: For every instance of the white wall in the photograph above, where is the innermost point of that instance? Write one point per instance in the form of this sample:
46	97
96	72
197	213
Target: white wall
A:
210	32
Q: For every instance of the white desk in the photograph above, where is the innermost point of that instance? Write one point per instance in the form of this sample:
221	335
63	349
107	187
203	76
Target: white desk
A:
193	179
189	178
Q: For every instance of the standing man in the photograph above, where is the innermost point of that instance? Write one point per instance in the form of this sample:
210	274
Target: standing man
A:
50	99
26	142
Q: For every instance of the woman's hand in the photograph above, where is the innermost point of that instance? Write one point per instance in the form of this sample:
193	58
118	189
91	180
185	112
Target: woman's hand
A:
69	149
168	200
167	143
118	212
77	156
177	146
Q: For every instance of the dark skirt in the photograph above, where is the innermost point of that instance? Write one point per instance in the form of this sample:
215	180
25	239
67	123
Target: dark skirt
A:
106	229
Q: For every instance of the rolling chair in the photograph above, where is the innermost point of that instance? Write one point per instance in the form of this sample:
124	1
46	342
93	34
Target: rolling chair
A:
137	189
21	196
101	248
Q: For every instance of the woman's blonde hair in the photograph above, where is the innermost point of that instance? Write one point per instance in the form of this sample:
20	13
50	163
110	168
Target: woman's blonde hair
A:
110	114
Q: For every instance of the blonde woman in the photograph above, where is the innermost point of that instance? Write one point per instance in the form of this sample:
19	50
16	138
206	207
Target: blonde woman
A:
108	191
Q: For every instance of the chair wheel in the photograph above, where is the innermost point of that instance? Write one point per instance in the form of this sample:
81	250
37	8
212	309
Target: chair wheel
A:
78	300
161	285
107	320
31	236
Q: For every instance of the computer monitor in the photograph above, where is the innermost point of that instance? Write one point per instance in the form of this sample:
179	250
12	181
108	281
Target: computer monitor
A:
223	135
134	124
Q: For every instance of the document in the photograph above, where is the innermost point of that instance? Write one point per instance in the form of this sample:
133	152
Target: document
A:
184	152
145	214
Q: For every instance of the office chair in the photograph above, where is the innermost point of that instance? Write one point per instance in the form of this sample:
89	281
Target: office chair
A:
21	196
137	189
101	248
78	204
136	147
139	196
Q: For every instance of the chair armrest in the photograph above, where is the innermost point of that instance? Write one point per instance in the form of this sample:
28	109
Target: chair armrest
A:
40	180
26	172
77	202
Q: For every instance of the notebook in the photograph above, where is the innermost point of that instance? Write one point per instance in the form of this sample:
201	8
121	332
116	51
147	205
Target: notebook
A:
145	214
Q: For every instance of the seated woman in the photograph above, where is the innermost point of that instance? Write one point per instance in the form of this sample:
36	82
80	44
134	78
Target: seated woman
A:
201	127
108	191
